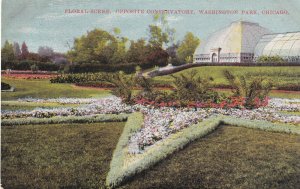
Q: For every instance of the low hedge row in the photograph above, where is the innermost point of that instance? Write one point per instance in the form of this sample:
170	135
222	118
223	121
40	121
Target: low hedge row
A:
89	67
26	65
117	174
68	119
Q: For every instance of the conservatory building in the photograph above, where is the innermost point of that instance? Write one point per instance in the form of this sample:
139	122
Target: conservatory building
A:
244	42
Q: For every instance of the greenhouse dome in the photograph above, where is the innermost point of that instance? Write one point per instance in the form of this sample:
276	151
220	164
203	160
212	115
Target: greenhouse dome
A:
285	45
235	43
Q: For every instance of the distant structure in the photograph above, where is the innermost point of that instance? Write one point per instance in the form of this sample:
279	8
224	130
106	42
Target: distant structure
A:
244	42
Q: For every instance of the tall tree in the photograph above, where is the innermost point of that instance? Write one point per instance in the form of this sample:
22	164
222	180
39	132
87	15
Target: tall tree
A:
161	35
120	53
17	50
137	51
97	45
7	52
187	47
25	52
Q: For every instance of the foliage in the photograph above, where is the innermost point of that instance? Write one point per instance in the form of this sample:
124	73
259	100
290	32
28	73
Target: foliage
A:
123	85
193	88
17	50
270	59
253	90
187	47
68	119
98	45
158	57
34	68
77	78
26	65
7	53
5	86
45	52
138	51
24	51
160	33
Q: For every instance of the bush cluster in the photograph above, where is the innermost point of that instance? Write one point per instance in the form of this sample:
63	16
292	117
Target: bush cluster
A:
77	78
191	90
5	86
28	64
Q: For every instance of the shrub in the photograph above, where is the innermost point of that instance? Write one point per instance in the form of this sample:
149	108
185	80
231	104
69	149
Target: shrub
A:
34	68
254	91
77	78
123	84
5	86
270	59
193	88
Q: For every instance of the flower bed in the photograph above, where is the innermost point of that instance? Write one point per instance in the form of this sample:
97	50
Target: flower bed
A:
29	76
161	121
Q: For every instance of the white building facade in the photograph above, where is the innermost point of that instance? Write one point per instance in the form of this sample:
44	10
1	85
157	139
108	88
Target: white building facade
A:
244	42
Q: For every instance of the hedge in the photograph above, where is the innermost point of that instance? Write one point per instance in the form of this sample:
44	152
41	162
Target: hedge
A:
117	174
26	65
68	119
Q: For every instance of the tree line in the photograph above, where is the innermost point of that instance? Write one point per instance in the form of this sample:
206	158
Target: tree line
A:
100	50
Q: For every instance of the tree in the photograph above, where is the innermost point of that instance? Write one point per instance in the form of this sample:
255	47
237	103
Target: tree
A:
7	52
97	46
187	47
137	51
160	33
25	52
45	52
119	55
17	50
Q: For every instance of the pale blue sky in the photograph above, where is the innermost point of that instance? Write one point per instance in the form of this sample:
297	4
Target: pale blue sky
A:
43	22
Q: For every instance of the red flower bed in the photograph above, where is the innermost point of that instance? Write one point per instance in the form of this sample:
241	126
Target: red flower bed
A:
29	76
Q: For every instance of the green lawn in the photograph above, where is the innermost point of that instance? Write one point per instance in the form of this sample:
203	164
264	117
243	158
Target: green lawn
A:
230	157
280	75
16	105
57	156
45	89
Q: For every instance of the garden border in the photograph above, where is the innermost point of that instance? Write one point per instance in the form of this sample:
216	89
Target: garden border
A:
68	119
124	166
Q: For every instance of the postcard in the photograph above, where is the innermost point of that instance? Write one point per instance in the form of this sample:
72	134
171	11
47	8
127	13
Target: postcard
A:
150	94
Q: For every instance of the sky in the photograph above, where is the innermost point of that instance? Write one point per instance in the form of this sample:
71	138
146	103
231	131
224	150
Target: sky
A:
45	23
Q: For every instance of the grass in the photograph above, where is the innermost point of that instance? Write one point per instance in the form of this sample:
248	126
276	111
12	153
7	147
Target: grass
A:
230	157
57	156
280	75
45	89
